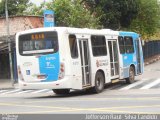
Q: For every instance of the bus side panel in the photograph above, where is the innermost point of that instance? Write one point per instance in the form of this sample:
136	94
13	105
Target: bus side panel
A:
72	65
129	59
75	74
100	64
121	66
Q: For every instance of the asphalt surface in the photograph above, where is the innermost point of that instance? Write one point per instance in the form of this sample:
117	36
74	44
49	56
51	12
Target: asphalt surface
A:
141	97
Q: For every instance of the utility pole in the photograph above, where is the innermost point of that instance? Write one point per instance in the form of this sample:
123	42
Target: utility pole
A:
9	43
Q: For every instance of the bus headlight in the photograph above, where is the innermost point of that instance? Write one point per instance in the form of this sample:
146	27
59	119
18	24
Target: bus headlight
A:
62	71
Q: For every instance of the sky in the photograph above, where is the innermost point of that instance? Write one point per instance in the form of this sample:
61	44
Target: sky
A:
38	2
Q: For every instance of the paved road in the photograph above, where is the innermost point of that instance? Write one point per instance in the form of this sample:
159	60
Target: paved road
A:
143	96
110	101
146	83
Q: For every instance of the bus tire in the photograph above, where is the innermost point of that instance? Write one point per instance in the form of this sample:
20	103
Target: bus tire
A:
99	82
131	77
61	91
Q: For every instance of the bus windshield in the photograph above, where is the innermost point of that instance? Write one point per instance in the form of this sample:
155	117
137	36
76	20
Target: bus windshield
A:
38	43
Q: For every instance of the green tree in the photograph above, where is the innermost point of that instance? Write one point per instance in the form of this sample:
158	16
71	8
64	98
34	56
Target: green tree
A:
69	13
142	16
33	9
15	7
114	14
148	19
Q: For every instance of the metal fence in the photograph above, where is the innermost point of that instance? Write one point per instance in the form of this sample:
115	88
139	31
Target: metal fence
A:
151	48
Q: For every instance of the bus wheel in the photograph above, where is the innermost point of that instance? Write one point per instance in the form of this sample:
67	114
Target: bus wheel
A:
61	91
131	77
99	82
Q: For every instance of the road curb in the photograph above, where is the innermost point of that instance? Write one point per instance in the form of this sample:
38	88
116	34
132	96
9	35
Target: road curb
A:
152	61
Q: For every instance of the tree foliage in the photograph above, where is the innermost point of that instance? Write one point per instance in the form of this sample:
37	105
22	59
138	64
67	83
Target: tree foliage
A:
69	13
114	14
142	16
147	20
15	7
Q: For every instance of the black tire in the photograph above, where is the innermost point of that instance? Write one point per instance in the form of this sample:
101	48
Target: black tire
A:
99	82
131	77
61	91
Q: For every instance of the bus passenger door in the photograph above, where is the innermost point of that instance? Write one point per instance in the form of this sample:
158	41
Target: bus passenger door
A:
138	54
114	60
85	62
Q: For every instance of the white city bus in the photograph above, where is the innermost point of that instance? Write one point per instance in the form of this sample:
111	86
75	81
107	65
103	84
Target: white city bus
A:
63	58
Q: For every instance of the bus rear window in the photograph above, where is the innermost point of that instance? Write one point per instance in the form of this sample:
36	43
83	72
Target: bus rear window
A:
38	43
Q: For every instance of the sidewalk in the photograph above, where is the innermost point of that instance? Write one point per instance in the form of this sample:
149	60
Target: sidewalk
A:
7	84
152	59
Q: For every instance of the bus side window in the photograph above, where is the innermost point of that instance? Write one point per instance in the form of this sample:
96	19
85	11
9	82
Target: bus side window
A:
98	45
121	44
73	46
129	44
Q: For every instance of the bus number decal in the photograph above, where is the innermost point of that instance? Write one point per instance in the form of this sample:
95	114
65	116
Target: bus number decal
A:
76	63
